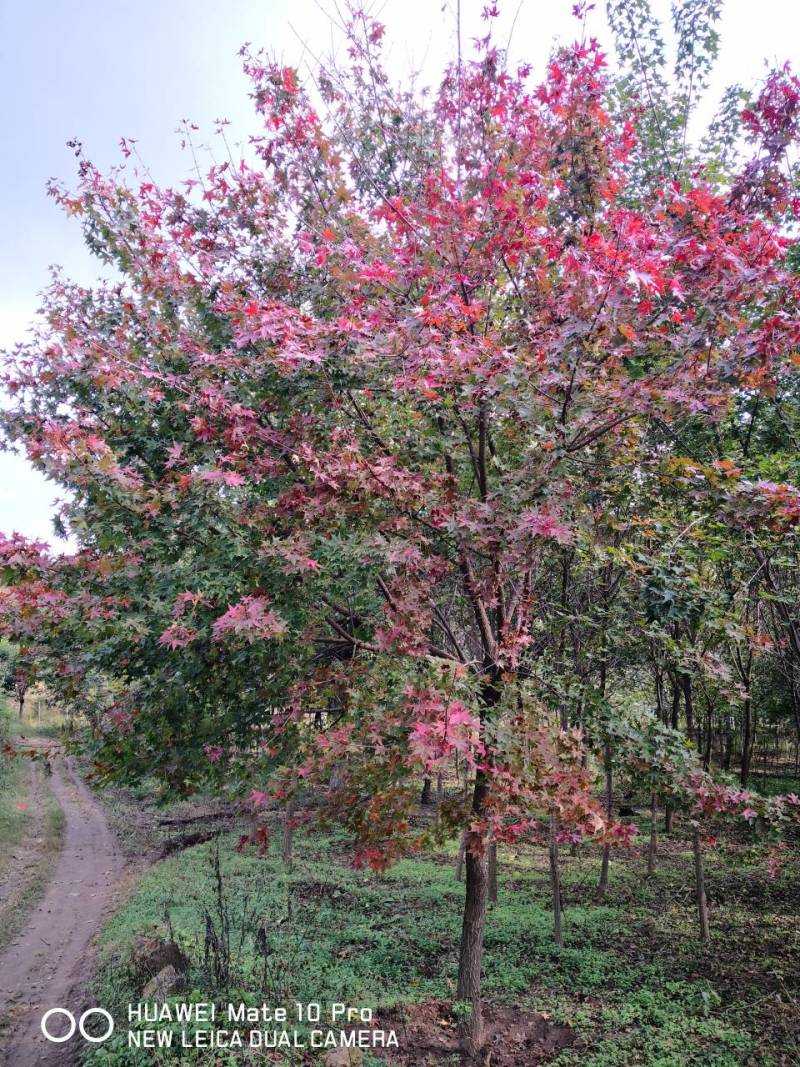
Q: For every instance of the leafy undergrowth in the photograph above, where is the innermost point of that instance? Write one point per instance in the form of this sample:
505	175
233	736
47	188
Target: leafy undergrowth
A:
632	984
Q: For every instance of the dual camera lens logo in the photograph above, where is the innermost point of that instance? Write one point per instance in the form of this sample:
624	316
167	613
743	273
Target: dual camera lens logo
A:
79	1024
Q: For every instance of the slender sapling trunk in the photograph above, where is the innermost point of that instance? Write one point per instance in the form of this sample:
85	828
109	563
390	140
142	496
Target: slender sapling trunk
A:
288	833
603	884
462	848
555	879
652	849
700	885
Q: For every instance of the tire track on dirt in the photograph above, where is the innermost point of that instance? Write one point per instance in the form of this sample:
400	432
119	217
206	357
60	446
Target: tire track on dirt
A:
48	963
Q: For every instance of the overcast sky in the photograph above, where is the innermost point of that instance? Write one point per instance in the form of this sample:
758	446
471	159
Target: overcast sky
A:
100	70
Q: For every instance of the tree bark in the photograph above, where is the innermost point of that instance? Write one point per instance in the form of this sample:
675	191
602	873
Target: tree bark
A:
21	684
477	882
288	833
659	688
603	883
709	741
492	861
675	714
555	879
462	848
652	848
700	885
337	776
748	737
727	754
688	704
474	922
426	799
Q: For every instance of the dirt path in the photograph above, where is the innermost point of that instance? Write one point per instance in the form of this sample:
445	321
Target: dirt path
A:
48	963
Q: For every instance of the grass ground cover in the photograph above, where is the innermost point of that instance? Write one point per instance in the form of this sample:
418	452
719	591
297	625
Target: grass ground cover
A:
31	826
631	985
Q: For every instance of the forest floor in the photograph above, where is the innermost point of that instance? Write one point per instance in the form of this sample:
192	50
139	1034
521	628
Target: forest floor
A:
631	985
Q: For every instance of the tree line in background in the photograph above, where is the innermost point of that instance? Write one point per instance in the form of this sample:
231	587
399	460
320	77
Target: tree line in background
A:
430	427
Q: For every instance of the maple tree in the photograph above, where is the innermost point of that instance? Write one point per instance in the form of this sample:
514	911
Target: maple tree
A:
374	442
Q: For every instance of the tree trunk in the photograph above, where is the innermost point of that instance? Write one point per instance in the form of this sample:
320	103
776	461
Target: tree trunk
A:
652	848
603	884
708	745
427	793
476	895
748	737
700	885
288	833
555	879
727	754
492	861
462	848
675	715
471	951
667	818
337	776
688	704
659	687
